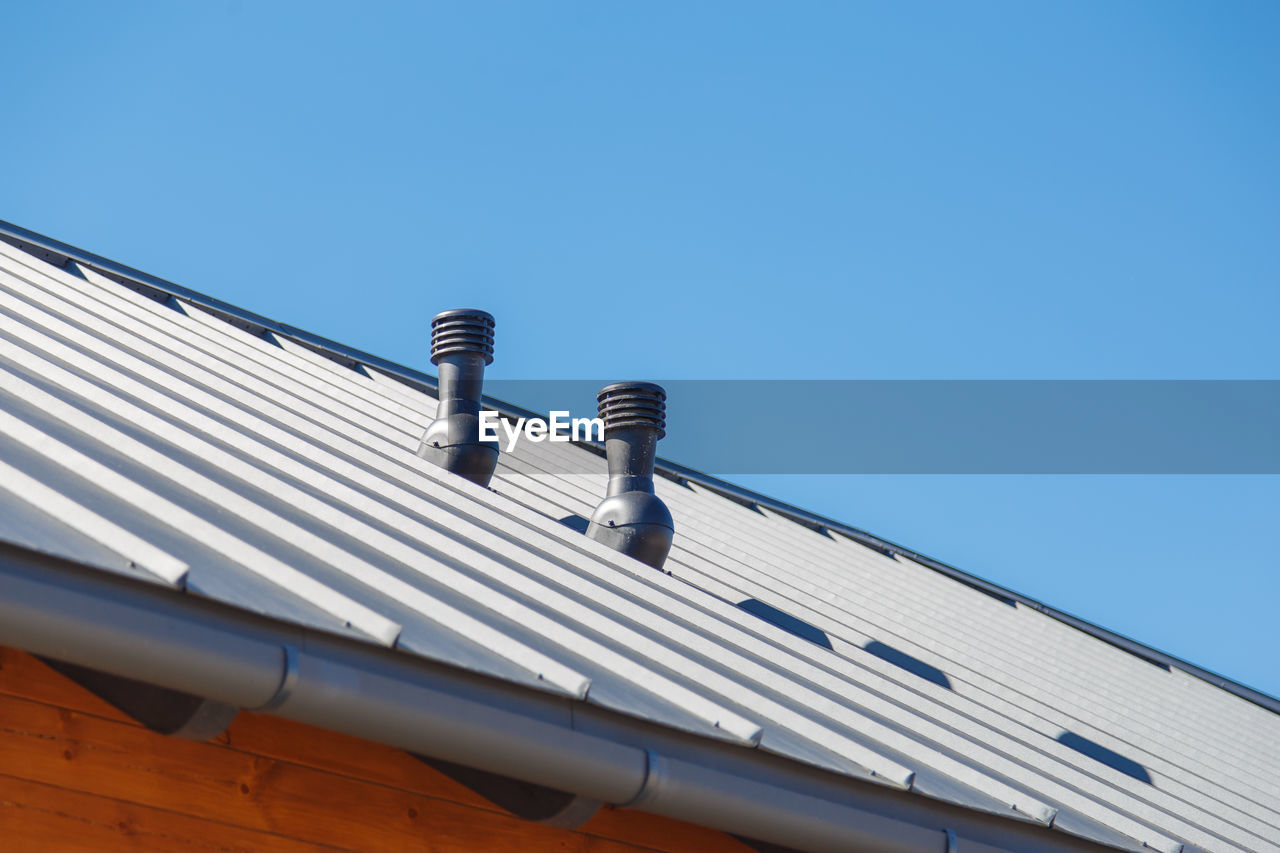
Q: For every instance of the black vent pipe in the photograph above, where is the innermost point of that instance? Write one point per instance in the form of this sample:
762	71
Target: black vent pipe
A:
631	518
461	346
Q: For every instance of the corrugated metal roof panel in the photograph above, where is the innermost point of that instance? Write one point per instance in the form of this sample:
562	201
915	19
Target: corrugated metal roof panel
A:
155	439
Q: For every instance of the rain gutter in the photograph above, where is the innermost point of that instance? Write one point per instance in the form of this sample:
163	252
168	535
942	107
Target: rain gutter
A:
134	629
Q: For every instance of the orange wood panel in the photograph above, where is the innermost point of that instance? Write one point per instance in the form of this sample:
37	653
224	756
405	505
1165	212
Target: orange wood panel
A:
38	818
25	676
290	741
70	750
269	775
298	743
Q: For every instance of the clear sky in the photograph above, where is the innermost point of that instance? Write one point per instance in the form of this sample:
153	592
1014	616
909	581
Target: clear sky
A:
731	190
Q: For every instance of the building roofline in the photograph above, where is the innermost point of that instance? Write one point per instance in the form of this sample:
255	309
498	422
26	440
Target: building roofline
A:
58	253
126	627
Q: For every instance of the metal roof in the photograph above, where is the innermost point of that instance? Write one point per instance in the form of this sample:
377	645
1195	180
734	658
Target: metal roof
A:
152	438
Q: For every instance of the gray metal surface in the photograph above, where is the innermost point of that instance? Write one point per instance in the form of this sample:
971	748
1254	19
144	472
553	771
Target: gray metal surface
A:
58	253
247	469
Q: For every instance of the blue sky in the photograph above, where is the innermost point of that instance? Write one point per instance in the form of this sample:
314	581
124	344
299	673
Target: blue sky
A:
731	190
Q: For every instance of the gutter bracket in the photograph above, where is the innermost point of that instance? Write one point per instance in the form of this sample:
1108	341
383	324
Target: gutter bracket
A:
655	780
288	680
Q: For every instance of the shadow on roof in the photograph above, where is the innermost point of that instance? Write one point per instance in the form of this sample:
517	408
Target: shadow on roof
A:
576	522
911	664
1111	758
786	622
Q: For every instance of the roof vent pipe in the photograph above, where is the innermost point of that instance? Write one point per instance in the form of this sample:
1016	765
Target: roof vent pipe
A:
631	518
461	346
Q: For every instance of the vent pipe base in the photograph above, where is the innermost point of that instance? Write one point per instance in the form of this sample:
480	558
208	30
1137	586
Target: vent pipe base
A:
631	518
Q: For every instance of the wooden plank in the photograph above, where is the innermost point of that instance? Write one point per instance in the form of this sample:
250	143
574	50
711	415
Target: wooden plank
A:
36	818
660	833
270	736
298	743
267	737
24	676
91	755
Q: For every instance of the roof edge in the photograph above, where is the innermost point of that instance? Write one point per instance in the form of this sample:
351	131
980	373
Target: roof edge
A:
127	627
58	253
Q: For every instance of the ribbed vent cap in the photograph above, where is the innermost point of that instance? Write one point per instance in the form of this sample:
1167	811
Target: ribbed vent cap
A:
462	330
632	404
